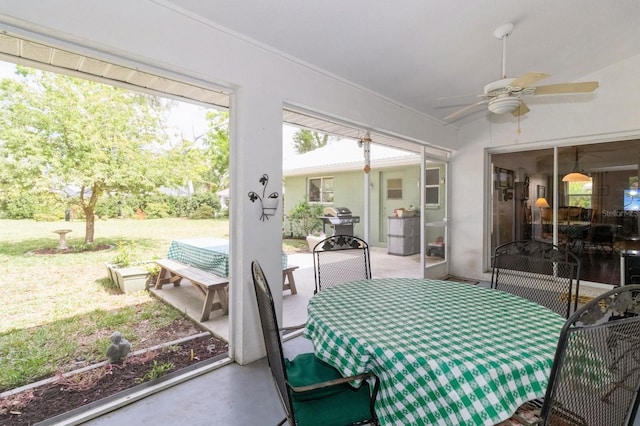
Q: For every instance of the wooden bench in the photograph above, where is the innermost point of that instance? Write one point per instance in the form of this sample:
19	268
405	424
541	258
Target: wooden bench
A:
288	282
206	283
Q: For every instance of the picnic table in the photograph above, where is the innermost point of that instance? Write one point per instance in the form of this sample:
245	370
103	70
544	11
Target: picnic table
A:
206	253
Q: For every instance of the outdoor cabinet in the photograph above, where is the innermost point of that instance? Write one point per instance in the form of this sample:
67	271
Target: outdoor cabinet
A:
404	235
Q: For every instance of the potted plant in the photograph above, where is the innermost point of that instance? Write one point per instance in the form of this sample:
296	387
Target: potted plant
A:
130	275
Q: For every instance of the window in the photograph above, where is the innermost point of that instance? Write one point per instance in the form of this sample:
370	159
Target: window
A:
432	187
320	190
394	189
579	194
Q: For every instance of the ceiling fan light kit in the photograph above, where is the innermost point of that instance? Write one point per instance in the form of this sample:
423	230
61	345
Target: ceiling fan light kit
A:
504	105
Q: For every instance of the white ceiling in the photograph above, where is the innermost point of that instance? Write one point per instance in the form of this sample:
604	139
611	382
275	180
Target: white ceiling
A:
416	51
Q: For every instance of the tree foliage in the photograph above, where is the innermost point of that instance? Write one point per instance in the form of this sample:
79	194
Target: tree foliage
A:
79	139
217	142
305	140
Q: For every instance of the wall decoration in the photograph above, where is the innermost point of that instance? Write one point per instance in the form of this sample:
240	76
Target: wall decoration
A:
503	178
269	203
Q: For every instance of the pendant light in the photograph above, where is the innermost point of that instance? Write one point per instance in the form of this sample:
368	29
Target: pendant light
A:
576	175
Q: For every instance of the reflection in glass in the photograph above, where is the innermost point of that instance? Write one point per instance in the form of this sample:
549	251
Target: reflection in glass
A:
592	218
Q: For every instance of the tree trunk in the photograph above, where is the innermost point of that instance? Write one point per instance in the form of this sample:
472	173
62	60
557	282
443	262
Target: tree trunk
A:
89	225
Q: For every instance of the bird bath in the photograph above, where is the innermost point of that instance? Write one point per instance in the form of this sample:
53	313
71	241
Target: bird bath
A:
62	245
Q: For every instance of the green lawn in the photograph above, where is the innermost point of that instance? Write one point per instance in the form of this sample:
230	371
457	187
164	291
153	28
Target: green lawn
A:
61	308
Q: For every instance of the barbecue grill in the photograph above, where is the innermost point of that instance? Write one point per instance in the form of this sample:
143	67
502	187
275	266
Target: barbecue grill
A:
340	219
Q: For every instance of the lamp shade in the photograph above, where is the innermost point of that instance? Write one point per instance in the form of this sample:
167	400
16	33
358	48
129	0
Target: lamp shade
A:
542	203
576	177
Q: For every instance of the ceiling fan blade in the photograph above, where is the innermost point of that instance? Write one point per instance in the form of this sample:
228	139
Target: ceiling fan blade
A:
522	110
551	89
528	79
460	112
446	98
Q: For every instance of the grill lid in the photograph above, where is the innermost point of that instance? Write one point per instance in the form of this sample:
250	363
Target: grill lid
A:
336	211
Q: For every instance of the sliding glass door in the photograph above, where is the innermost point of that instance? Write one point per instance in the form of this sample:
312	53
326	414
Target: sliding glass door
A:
584	198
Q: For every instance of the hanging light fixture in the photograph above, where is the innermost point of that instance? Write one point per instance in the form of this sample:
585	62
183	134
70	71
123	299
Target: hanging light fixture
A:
576	175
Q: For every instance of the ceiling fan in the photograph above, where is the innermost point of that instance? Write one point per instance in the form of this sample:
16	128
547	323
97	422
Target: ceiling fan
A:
505	95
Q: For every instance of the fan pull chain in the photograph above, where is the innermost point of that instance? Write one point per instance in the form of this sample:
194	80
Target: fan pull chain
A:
519	130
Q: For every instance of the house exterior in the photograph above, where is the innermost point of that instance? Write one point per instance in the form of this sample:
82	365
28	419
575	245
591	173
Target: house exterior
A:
260	82
340	166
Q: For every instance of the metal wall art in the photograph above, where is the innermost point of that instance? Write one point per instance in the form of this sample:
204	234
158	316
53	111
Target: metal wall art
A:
269	203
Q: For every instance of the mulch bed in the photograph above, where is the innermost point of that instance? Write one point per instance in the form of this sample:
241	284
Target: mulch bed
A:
70	249
68	393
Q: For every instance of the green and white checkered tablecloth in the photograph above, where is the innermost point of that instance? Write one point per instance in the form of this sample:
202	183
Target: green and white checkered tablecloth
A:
446	353
208	254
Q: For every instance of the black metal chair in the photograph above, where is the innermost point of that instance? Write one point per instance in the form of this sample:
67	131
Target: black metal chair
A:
538	271
595	375
311	391
340	258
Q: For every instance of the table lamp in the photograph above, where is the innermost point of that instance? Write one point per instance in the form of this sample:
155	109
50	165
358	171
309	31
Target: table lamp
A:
541	203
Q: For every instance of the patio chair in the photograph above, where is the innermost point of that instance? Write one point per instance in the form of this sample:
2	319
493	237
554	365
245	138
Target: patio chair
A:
538	271
595	374
340	258
311	391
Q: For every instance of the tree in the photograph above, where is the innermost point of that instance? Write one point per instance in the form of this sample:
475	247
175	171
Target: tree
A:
79	139
305	140
217	142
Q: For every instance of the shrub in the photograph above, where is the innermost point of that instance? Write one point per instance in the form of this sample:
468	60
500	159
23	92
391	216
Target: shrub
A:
157	211
303	218
22	206
43	217
203	212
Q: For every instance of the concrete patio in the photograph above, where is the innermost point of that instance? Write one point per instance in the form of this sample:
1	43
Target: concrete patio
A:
383	265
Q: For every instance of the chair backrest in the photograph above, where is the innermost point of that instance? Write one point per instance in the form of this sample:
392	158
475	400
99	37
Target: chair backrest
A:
574	213
340	258
538	271
271	335
596	369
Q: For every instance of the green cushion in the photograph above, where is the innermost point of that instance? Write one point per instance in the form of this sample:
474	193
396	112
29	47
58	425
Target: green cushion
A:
307	369
344	408
337	405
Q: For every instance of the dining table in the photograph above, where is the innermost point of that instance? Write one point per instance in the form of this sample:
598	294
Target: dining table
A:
446	353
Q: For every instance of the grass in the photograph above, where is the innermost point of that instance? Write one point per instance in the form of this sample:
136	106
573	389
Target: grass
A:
59	309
